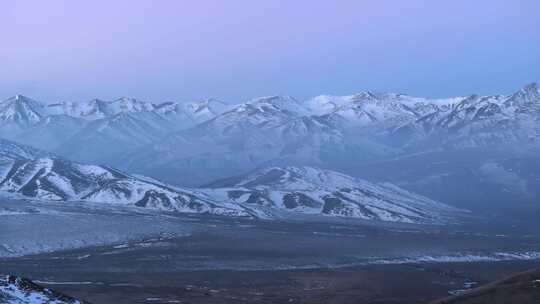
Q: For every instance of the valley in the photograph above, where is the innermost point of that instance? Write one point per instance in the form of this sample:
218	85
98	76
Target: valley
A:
117	254
269	152
374	197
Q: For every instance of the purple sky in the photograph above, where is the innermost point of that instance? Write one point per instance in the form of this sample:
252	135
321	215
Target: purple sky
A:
234	50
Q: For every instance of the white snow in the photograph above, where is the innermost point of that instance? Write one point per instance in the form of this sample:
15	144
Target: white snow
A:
460	258
385	202
14	293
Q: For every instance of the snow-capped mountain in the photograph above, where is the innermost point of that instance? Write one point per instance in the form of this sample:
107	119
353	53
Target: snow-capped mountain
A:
317	191
16	290
361	109
74	128
107	140
24	110
261	113
242	138
130	124
208	139
97	108
378	109
20	110
481	121
361	127
252	124
197	111
34	174
526	99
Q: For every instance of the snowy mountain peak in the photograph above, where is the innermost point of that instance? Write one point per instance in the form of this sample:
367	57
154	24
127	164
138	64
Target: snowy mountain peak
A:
98	108
530	92
88	110
525	100
23	98
21	110
190	113
287	103
24	172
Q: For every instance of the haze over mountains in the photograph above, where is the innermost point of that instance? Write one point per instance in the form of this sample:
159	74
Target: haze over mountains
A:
486	146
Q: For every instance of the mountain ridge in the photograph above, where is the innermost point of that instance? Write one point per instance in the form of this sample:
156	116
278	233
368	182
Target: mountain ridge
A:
218	140
30	173
319	191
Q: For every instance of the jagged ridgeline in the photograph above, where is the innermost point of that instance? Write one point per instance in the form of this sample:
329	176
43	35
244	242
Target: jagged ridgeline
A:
378	136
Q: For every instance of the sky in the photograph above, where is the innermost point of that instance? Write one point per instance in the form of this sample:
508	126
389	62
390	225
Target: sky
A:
239	49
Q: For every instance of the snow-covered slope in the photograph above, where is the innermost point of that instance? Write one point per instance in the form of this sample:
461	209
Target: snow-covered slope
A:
95	123
47	177
242	138
317	191
20	110
98	109
126	124
478	121
208	139
365	109
249	126
35	174
366	126
107	140
371	109
23	109
15	290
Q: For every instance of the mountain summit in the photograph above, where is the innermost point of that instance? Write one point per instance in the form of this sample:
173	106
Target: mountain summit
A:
20	110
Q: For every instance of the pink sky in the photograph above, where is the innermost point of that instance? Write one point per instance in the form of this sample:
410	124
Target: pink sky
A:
180	50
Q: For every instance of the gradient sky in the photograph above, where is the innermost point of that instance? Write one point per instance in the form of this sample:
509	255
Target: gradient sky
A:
234	50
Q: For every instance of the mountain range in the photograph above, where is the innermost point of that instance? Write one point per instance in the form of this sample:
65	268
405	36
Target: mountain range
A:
191	144
265	193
